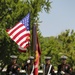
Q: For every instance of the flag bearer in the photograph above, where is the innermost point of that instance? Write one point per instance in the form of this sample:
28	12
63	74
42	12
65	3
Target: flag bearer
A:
29	66
13	68
64	68
48	68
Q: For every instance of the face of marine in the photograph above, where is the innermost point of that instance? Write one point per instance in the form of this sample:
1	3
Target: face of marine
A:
47	61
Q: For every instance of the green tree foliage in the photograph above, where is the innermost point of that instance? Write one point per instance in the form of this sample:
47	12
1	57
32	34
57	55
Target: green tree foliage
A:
50	47
68	42
63	44
11	12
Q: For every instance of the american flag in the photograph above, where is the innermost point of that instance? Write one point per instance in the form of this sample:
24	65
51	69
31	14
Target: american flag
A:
20	33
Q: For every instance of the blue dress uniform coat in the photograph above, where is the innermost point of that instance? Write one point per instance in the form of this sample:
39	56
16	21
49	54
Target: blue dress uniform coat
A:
12	69
64	68
48	69
29	66
29	69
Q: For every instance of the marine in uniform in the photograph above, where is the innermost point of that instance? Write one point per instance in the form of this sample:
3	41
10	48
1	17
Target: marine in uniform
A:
64	68
48	68
29	66
13	68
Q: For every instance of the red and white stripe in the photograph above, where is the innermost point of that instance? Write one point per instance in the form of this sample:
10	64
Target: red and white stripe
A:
22	49
20	35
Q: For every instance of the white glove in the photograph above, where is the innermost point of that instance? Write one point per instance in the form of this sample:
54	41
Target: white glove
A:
28	61
10	73
31	74
42	65
62	72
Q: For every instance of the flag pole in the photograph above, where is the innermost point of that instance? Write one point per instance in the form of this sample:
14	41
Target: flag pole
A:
36	49
34	38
